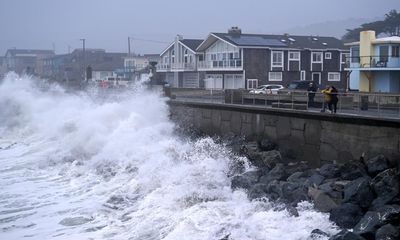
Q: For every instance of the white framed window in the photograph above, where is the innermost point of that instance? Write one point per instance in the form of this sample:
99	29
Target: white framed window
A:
345	58
294	56
275	76
316	57
252	83
277	59
303	75
328	55
334	77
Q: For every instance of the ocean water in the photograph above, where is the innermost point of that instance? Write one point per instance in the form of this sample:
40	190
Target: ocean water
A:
110	166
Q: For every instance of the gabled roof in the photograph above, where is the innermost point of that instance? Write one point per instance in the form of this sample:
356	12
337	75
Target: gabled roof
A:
273	41
16	52
190	44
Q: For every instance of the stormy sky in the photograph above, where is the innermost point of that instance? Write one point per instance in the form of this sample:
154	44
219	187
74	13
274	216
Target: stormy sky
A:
59	24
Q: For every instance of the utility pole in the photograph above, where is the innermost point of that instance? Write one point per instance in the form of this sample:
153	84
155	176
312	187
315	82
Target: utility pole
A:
129	46
84	57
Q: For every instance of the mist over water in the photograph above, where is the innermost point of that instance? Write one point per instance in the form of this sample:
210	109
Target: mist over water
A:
97	166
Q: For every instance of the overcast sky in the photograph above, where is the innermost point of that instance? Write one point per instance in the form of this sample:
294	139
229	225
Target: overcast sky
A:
44	24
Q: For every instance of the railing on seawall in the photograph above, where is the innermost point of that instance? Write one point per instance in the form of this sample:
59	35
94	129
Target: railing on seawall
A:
349	103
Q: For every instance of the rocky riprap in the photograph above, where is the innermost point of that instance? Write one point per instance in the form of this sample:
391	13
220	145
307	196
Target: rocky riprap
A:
361	195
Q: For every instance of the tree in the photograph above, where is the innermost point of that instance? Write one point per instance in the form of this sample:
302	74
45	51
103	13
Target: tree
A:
390	25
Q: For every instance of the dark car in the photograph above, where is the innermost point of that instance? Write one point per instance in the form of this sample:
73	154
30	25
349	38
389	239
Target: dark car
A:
300	85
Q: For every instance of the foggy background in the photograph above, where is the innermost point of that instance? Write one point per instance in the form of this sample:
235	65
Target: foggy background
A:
59	24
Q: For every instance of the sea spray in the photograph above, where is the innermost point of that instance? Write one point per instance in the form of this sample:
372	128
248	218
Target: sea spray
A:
109	166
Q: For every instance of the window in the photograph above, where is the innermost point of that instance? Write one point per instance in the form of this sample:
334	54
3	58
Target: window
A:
334	77
383	53
277	59
201	57
345	58
316	57
328	55
294	56
252	83
303	75
395	51
275	76
355	54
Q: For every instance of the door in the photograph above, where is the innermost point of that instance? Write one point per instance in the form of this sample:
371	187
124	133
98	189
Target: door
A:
316	77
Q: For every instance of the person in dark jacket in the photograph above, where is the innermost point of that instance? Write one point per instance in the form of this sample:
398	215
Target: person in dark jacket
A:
334	99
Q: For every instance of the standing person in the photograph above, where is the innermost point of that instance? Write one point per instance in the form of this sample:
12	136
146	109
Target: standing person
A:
327	98
311	94
334	99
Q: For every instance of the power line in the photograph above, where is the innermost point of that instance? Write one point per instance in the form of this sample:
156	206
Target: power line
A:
149	40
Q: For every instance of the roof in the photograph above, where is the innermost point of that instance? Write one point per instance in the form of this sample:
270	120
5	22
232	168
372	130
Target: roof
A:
15	52
393	39
191	43
274	41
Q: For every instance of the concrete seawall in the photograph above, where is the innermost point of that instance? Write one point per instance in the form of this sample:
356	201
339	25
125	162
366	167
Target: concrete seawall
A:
301	136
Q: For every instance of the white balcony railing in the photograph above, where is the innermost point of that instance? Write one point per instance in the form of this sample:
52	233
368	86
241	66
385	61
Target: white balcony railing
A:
224	64
177	66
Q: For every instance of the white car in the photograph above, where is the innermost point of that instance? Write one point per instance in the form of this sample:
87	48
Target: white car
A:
267	89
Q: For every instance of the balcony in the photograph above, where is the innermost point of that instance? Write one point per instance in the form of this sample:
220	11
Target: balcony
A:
232	64
163	67
374	63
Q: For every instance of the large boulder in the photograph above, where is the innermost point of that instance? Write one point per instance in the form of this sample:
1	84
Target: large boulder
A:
386	186
377	164
346	215
267	145
352	170
359	192
329	189
388	232
277	173
322	201
318	234
245	180
330	170
293	193
271	158
373	220
258	190
346	235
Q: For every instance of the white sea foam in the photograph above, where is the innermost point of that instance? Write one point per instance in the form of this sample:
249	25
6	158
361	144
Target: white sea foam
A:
92	166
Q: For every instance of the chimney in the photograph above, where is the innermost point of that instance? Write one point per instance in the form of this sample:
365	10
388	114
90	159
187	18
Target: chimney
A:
236	31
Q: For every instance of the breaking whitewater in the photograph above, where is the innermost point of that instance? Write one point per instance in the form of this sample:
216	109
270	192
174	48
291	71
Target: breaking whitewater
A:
87	165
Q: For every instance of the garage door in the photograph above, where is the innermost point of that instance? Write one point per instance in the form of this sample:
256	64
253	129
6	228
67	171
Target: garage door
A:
233	81
190	80
213	81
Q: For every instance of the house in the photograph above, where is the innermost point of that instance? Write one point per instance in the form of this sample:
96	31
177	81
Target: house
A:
26	61
234	60
71	68
375	63
138	63
178	64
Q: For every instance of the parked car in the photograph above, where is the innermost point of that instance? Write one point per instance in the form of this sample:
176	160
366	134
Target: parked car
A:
300	85
267	89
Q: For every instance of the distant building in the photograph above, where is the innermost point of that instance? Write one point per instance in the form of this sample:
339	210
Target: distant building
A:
375	63
234	60
26	61
71	68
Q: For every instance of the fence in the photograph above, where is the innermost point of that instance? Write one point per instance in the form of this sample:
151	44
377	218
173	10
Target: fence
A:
351	103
